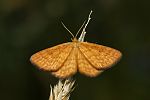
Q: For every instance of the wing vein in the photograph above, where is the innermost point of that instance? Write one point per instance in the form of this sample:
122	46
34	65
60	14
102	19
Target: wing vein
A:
86	58
58	54
65	59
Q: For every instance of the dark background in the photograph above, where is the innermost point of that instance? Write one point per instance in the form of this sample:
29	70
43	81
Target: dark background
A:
27	26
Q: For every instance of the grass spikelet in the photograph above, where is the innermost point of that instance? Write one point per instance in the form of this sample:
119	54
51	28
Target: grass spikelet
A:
62	90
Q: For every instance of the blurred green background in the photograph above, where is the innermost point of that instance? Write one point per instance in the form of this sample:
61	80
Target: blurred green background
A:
27	26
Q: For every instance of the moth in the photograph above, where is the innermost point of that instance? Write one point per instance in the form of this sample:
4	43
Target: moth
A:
65	59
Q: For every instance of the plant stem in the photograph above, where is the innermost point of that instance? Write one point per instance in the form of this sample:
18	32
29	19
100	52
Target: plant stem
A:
62	90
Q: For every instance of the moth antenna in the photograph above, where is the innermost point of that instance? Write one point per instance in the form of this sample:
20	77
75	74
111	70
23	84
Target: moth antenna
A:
67	29
80	29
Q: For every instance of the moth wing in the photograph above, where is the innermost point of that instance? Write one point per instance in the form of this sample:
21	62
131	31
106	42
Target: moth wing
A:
85	67
101	57
69	67
51	59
